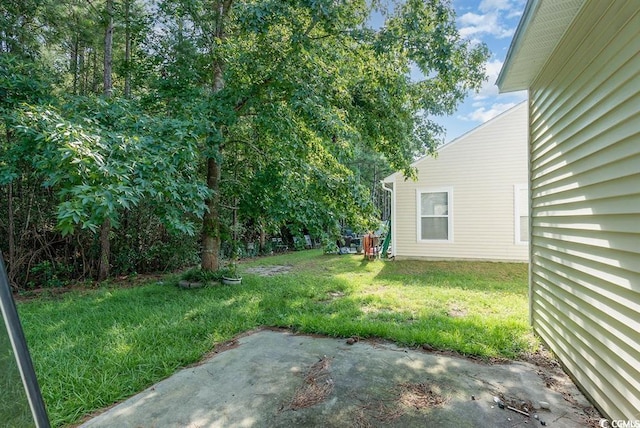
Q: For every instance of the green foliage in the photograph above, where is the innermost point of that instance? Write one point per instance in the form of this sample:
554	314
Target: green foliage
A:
299	243
14	407
329	244
295	101
107	158
21	80
267	249
144	245
231	270
46	274
307	88
200	275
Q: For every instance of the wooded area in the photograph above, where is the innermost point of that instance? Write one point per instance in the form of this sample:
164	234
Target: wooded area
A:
141	136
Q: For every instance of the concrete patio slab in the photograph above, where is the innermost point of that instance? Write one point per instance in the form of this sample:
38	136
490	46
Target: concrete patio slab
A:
279	379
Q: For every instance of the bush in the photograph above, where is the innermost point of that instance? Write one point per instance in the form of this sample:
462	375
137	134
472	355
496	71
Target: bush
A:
329	246
267	249
299	243
199	275
50	275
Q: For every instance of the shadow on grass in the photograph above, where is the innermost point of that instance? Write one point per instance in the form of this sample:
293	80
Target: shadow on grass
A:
93	349
482	276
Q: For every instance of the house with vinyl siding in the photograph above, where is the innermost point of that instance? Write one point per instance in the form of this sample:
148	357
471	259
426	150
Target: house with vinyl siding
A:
580	62
470	201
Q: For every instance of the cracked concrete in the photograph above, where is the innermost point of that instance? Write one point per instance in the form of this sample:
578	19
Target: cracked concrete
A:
366	384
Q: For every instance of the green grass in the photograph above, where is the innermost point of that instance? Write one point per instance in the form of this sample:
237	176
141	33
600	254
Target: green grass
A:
14	405
94	348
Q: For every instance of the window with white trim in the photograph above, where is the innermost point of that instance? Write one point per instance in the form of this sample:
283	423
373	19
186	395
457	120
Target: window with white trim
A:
434	215
521	219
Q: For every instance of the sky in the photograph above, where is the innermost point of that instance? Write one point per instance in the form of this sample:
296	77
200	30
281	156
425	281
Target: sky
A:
493	22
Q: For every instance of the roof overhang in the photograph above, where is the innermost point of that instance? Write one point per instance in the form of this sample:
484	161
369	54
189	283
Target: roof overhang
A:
542	26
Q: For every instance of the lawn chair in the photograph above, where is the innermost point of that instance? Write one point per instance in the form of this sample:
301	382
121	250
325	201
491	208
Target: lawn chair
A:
307	240
278	245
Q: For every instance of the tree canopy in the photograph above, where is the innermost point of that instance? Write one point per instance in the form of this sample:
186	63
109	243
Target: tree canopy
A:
226	117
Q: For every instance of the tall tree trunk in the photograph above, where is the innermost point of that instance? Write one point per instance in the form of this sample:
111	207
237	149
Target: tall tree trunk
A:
263	235
108	50
74	63
127	49
96	80
82	70
211	220
104	266
11	231
105	228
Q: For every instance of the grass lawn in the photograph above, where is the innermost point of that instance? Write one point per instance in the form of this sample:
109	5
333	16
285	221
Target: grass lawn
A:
95	347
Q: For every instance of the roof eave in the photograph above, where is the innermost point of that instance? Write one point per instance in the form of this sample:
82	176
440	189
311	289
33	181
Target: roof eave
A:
543	25
514	48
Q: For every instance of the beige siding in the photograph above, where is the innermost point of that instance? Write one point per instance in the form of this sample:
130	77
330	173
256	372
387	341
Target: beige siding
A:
481	169
585	189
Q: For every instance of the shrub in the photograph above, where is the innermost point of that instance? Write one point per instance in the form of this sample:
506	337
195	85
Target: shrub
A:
199	275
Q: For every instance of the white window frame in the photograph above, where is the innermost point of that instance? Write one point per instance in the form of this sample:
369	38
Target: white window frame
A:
517	189
449	192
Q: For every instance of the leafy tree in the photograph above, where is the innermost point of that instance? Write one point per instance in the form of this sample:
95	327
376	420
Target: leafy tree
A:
107	158
21	80
258	113
311	77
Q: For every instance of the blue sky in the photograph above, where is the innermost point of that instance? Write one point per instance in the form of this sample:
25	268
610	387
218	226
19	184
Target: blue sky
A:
493	22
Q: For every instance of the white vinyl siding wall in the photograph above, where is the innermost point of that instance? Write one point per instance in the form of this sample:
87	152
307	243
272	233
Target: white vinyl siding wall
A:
521	213
480	168
585	189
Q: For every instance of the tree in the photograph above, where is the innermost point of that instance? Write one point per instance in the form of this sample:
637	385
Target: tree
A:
312	78
102	157
70	163
261	109
105	229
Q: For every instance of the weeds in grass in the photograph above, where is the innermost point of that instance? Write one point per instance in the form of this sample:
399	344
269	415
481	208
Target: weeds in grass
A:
97	347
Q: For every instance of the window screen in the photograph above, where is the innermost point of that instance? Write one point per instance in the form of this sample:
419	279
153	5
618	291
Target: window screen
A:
434	215
21	403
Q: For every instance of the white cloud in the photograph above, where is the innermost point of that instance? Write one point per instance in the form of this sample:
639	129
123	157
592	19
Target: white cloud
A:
483	110
473	24
495	18
489	5
483	114
516	13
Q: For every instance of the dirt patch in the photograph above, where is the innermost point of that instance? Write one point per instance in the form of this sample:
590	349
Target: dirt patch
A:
420	396
331	296
405	398
360	419
457	312
316	387
553	375
270	270
542	358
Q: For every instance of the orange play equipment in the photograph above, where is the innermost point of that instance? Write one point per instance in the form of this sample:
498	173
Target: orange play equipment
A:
370	243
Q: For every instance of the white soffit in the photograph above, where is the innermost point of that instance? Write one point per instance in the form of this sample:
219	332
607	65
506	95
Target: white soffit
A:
541	27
